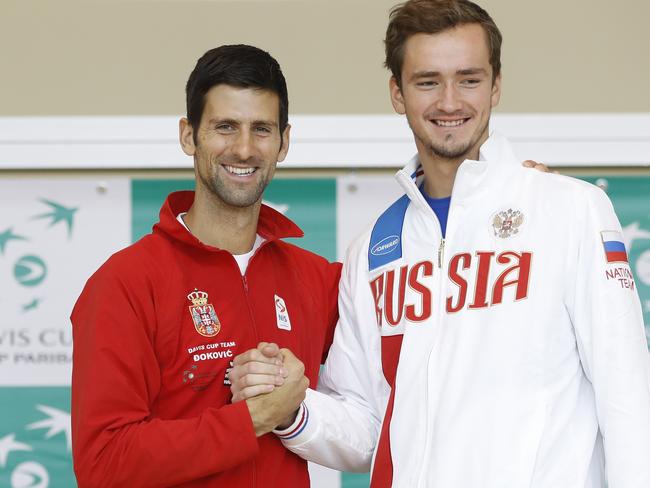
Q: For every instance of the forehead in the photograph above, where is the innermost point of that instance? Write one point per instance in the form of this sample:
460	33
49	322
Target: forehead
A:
458	48
243	104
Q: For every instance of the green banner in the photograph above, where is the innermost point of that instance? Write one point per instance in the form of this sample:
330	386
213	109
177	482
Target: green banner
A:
35	438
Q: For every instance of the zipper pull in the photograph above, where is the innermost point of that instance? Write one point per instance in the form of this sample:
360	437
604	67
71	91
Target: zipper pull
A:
441	252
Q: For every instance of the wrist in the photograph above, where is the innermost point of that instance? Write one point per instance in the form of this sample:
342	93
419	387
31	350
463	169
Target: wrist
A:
300	417
290	420
261	421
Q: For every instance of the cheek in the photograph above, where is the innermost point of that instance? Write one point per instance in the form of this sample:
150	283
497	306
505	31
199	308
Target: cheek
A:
270	148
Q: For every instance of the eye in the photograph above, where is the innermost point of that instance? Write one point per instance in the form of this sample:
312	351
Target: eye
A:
470	82
262	129
426	84
225	128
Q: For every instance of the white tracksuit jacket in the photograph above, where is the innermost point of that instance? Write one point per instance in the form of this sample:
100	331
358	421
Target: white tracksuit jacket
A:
523	357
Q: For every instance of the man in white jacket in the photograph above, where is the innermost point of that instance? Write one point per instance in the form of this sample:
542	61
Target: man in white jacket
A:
490	332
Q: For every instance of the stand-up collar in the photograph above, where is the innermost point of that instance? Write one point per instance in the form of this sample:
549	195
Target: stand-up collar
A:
271	225
494	155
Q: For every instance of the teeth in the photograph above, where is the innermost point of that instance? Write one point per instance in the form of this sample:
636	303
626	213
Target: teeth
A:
449	123
240	171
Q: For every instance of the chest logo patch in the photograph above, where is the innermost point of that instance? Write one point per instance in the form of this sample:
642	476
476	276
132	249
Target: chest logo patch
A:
507	223
203	315
282	314
385	246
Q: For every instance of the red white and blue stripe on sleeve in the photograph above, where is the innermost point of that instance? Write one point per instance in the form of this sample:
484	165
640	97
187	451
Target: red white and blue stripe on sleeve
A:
297	427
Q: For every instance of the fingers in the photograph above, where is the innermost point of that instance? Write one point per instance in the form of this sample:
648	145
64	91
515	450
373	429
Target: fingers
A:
254	373
292	364
269	349
251	392
256	355
259	371
529	163
243	386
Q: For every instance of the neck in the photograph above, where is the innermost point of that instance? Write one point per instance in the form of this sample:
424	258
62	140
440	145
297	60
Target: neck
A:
440	172
217	224
439	176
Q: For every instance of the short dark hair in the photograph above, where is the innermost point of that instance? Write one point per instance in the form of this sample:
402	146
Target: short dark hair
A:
431	17
239	66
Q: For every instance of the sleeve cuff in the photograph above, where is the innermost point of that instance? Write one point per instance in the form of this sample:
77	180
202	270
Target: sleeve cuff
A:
302	417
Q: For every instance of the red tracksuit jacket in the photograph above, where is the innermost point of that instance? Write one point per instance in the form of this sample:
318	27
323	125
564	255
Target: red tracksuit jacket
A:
155	330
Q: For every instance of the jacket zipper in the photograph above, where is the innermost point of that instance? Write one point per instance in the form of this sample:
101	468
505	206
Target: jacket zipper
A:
257	338
245	285
441	304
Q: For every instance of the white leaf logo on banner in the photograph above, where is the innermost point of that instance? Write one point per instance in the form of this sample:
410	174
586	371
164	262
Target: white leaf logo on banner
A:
58	421
8	443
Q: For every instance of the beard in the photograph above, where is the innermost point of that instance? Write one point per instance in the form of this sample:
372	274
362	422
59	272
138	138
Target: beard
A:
230	192
449	147
450	150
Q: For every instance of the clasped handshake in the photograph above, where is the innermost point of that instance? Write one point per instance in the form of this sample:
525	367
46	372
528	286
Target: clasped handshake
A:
272	382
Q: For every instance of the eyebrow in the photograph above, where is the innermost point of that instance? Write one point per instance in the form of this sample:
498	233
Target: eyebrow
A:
462	72
217	121
472	71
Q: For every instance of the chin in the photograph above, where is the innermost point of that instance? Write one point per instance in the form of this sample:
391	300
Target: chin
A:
450	152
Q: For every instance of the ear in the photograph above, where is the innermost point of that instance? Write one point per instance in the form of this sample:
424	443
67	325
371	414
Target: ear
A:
396	97
284	149
496	91
186	136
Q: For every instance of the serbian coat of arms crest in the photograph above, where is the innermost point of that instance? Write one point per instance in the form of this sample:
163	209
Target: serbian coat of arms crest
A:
507	223
203	315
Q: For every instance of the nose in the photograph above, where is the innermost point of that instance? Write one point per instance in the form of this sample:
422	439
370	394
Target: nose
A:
449	100
243	145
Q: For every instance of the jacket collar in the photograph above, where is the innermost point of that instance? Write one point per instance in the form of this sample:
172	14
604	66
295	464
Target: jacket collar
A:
272	225
495	156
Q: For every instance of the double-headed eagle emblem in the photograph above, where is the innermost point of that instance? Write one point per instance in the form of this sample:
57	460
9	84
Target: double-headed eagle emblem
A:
507	223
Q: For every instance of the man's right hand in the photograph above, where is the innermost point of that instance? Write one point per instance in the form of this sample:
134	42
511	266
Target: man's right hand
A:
279	407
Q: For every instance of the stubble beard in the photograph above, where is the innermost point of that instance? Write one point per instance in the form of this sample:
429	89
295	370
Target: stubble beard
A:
229	192
450	151
447	149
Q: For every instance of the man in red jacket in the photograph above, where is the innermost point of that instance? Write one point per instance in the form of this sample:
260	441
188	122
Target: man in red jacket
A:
157	326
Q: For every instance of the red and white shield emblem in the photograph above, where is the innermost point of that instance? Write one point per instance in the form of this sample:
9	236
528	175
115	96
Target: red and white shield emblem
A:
203	315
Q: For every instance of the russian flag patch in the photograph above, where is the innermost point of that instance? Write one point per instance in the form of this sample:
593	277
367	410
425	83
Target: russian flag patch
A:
614	246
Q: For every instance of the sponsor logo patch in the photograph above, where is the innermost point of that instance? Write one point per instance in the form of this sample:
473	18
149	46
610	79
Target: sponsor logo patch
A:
282	314
385	246
196	380
203	315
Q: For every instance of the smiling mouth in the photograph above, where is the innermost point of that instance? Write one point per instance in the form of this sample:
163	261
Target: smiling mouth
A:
450	123
233	170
